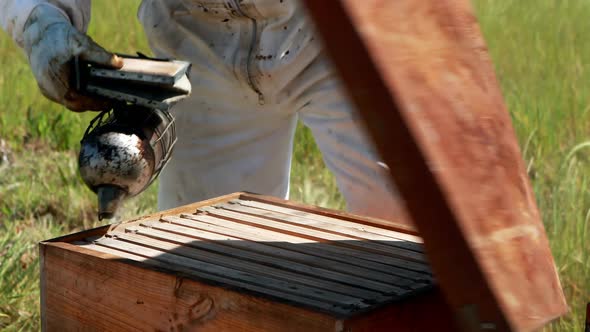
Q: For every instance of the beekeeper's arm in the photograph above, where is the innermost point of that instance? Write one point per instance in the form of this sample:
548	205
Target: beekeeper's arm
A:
51	33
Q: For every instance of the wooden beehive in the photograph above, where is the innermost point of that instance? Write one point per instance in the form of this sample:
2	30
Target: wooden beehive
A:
240	263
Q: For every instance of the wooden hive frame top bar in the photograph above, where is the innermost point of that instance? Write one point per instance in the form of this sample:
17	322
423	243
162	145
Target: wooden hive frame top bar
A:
339	267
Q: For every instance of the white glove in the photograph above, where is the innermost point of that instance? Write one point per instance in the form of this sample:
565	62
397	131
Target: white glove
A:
51	42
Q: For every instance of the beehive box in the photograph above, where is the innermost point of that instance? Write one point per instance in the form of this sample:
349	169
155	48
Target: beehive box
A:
240	262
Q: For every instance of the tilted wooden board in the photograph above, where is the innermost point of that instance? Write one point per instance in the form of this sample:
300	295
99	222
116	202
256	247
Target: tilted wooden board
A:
420	75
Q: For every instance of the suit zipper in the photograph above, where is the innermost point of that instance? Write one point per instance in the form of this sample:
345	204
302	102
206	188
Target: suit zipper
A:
253	40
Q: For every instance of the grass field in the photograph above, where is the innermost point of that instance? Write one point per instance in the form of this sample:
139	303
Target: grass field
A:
542	56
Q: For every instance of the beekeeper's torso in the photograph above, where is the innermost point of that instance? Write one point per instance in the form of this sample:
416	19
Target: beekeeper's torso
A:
263	43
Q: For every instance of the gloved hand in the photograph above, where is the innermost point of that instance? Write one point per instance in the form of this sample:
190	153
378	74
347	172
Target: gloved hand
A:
50	42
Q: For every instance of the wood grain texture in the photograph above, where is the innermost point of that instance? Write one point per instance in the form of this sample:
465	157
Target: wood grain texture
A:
338	258
186	271
280	258
325	217
342	228
398	225
421	78
426	312
243	247
161	301
314	234
116	295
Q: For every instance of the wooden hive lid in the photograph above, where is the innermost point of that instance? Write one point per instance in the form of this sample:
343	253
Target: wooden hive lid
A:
424	84
324	263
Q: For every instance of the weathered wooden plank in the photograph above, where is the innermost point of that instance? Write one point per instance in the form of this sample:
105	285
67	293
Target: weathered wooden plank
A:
308	296
398	225
98	231
104	301
373	280
324	226
316	235
292	252
158	264
256	264
285	241
189	208
111	251
327	219
421	78
284	259
233	228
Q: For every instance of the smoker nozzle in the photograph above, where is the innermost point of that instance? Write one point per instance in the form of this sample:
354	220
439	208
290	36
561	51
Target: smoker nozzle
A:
109	200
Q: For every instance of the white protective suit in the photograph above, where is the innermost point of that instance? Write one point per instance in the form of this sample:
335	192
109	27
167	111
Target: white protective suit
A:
258	66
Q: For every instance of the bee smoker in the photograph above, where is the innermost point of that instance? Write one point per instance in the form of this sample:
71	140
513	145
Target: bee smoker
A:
122	153
124	149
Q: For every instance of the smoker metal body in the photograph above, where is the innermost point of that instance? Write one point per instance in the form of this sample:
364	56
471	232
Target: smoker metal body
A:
124	149
123	152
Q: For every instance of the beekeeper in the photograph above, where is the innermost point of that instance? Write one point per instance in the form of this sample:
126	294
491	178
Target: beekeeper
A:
257	67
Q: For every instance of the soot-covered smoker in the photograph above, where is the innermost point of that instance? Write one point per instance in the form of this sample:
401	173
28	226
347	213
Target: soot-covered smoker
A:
124	149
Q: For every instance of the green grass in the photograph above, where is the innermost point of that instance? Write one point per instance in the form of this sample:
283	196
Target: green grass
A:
542	59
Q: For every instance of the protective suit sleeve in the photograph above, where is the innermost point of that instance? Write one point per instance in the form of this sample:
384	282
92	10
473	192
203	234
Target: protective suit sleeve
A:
14	14
52	33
